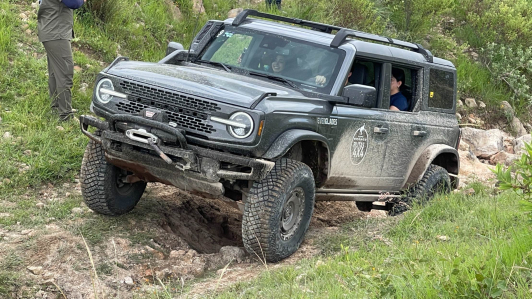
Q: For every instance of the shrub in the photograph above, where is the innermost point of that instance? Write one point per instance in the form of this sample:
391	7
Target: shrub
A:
518	177
357	14
513	67
102	10
500	21
415	18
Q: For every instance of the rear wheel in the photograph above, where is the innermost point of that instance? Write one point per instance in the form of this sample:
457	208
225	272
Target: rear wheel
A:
435	180
277	211
104	185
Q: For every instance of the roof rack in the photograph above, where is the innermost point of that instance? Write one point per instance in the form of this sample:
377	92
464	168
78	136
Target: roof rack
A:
341	35
241	17
344	33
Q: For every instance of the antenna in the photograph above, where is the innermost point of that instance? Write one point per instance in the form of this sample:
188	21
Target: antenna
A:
195	28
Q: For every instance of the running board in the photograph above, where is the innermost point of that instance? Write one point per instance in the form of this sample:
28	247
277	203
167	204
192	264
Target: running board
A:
354	197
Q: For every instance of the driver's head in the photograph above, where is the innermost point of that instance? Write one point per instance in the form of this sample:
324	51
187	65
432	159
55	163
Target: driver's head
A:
278	64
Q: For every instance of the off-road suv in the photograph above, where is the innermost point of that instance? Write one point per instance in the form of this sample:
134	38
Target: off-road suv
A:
274	116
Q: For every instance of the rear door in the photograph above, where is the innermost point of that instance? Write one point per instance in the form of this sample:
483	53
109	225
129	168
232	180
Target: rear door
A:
409	130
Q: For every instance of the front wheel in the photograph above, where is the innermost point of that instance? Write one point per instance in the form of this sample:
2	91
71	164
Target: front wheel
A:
104	185
436	179
277	211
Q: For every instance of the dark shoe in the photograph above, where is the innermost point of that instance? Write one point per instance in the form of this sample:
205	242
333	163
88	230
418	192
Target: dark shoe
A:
66	117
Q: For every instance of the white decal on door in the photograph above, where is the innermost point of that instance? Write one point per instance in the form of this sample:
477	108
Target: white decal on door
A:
359	146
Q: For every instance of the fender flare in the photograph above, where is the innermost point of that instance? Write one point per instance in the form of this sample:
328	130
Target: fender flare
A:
428	156
289	138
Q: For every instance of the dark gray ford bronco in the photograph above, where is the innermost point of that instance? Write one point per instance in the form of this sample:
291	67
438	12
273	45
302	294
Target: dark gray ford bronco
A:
274	116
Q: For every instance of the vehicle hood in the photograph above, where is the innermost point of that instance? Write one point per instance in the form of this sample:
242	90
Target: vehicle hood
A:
207	82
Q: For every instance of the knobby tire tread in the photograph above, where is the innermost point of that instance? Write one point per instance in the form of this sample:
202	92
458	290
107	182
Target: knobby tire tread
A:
97	185
257	233
419	192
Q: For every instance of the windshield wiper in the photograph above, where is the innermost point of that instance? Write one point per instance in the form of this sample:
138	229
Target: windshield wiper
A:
276	78
215	63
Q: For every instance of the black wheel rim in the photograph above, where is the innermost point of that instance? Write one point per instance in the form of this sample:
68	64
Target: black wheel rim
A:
122	186
292	213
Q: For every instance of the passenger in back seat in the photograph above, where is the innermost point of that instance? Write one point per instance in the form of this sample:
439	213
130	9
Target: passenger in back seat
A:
398	101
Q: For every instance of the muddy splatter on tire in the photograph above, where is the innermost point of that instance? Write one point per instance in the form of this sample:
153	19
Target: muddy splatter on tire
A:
436	179
278	211
102	186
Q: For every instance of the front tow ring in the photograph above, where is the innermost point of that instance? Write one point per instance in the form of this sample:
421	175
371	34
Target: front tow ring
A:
151	142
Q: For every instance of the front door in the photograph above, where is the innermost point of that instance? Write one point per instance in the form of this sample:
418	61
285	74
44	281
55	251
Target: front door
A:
357	160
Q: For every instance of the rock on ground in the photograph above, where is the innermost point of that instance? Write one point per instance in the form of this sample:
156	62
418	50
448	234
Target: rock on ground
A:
519	144
503	158
518	127
471	169
471	103
198	6
484	144
234	12
176	12
232	254
507	108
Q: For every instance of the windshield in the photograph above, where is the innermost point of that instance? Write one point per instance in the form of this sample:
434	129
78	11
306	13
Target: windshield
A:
308	66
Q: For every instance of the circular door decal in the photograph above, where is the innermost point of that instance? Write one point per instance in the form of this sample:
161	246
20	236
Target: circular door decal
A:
359	146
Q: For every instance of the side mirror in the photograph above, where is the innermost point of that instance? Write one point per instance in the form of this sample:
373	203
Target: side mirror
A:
173	46
361	95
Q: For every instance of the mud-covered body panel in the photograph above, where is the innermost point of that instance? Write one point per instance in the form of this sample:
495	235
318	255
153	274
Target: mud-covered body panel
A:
366	149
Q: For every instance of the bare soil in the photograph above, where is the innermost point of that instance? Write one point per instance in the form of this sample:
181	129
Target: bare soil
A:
182	249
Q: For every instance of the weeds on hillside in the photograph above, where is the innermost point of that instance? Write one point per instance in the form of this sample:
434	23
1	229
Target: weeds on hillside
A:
513	67
457	246
518	177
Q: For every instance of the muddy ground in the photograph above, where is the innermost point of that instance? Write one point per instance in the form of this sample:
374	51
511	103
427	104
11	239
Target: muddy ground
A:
183	240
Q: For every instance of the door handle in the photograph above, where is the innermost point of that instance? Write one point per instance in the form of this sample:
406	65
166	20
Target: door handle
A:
380	130
419	133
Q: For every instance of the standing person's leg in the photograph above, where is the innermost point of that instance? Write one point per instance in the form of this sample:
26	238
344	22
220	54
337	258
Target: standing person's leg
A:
51	84
269	4
62	66
278	2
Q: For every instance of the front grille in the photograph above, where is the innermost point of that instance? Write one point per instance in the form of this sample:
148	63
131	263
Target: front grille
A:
186	111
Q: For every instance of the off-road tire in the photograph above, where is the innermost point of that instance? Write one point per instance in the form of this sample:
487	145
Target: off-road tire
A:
364	206
436	179
99	184
268	205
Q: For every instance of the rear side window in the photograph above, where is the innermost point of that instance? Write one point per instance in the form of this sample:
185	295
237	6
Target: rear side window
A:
441	89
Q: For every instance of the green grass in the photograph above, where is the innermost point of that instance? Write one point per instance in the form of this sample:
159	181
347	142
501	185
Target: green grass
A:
141	31
9	275
486	255
476	81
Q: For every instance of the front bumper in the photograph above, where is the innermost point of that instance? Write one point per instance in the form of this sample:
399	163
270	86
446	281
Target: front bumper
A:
189	167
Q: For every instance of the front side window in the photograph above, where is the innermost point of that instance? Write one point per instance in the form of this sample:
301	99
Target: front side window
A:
308	66
441	89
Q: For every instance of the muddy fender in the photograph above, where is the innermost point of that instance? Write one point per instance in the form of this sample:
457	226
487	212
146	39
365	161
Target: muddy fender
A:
286	140
437	154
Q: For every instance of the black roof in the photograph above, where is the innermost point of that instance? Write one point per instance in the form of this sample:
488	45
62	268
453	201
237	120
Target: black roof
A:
342	34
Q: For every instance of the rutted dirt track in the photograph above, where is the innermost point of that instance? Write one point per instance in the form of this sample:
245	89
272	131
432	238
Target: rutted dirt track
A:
191	237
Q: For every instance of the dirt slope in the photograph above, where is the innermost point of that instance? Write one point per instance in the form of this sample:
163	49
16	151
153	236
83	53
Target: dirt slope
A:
171	235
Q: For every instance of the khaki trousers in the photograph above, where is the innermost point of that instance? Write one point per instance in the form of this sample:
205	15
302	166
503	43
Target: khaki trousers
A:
60	75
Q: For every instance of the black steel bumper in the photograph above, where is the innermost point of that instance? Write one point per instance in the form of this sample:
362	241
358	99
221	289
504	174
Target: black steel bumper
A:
188	167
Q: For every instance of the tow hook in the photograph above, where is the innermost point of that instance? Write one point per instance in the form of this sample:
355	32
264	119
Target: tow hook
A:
151	142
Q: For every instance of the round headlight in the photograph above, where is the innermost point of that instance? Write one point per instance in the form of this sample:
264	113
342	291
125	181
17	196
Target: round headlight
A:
241	131
104	97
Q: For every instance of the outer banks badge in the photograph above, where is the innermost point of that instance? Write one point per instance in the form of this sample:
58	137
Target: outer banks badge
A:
359	146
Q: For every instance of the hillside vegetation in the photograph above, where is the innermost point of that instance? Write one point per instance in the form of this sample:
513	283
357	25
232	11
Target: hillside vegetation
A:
490	45
461	246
